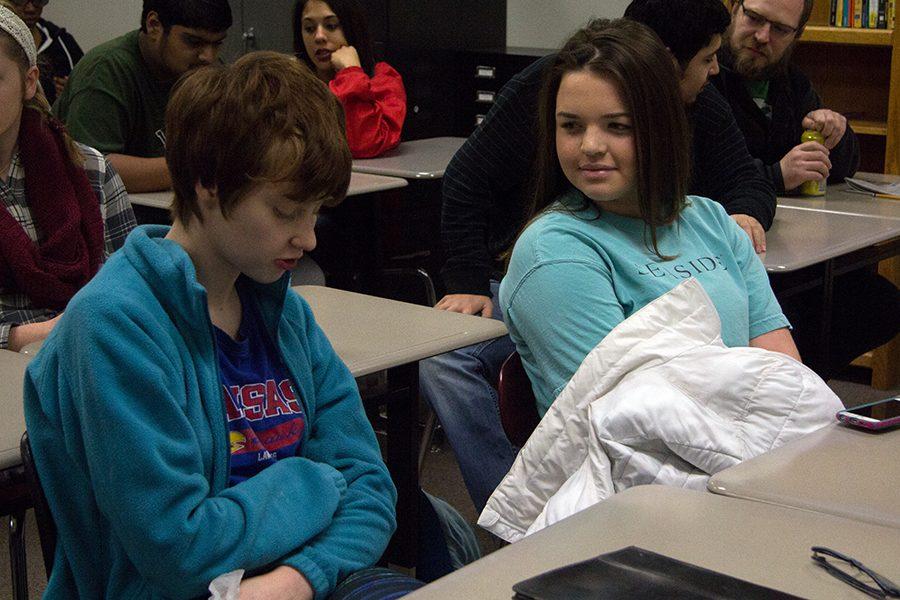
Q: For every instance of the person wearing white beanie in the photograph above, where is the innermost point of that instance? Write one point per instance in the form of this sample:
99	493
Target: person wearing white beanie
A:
57	50
64	207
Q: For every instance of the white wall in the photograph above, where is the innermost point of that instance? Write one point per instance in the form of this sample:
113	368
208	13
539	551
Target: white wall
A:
547	24
531	23
93	22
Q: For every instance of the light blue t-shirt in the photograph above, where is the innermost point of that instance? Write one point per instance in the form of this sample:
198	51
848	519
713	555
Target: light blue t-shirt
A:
576	274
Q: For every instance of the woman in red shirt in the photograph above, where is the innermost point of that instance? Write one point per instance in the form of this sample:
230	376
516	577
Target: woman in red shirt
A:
333	40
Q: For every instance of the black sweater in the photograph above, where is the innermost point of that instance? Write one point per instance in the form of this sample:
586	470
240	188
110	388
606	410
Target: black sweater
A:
791	97
57	56
485	183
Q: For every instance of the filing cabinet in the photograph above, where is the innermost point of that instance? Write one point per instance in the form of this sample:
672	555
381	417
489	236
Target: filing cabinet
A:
483	74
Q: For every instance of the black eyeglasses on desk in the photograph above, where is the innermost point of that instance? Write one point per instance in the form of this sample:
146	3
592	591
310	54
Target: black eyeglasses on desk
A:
836	564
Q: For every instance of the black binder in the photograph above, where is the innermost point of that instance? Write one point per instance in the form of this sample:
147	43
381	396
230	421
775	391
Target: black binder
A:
637	573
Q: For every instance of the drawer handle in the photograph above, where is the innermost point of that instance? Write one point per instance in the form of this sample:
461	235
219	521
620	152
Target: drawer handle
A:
485	72
483	96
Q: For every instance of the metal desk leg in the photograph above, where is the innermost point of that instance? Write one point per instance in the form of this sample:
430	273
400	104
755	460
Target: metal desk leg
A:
402	447
17	562
827	313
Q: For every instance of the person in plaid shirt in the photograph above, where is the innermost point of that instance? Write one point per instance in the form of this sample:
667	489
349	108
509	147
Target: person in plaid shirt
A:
65	209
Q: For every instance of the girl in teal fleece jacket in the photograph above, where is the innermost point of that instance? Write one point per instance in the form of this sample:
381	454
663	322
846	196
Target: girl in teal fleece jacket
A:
127	403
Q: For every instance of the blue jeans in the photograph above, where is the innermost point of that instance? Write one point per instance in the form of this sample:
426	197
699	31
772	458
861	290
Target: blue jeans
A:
459	386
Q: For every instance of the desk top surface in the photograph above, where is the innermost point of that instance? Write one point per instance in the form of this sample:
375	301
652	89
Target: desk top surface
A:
839	199
836	470
161	200
764	544
12	422
371	334
360	183
800	237
418	159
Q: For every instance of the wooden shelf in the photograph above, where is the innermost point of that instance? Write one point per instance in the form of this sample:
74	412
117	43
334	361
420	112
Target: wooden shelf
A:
869	127
845	35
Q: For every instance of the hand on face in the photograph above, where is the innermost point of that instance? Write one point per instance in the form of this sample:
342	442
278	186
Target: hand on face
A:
830	124
753	229
343	57
805	162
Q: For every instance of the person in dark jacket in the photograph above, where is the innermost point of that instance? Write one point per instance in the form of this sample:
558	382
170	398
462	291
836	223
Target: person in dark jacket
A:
774	102
58	52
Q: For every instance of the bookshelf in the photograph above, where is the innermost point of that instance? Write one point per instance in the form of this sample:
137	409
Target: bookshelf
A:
857	73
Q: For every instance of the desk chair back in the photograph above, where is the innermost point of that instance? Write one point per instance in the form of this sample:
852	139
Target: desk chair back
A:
46	526
518	411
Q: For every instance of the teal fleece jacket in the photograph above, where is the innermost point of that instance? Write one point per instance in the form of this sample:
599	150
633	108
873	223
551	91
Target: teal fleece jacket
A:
128	429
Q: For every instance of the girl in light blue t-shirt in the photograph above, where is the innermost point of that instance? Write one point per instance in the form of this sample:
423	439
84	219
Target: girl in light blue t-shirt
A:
612	228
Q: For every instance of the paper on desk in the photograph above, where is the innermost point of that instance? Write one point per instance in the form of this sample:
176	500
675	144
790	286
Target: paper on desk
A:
227	586
861	185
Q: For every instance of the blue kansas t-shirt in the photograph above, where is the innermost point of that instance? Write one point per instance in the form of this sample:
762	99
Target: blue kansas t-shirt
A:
265	416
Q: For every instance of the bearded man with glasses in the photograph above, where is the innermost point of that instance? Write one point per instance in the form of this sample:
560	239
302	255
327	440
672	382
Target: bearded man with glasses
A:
774	102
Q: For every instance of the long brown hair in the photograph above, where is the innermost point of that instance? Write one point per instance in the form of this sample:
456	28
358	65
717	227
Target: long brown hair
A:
12	50
352	17
631	56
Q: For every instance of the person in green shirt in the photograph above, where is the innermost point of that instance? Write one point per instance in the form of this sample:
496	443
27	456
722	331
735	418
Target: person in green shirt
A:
116	96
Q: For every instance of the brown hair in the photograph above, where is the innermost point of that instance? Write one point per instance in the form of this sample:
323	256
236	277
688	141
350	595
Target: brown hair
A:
631	56
264	119
11	48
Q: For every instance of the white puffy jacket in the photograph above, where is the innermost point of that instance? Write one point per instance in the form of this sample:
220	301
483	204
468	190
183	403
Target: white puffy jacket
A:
659	400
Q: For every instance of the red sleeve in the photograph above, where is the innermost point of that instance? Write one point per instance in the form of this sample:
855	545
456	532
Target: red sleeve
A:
374	107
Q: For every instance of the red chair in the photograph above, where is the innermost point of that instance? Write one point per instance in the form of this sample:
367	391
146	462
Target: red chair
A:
518	411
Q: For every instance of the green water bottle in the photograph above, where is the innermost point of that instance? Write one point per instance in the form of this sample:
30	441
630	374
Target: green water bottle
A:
812	187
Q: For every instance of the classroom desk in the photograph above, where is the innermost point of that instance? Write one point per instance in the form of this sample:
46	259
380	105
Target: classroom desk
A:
837	470
840	199
885	361
12	423
360	183
372	334
15	497
807	249
157	200
764	544
418	159
375	334
801	237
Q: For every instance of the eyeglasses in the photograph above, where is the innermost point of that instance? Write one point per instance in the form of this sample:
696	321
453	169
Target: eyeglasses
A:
857	576
37	3
758	21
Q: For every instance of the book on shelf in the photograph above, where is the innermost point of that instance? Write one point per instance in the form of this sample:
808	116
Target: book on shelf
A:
862	14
